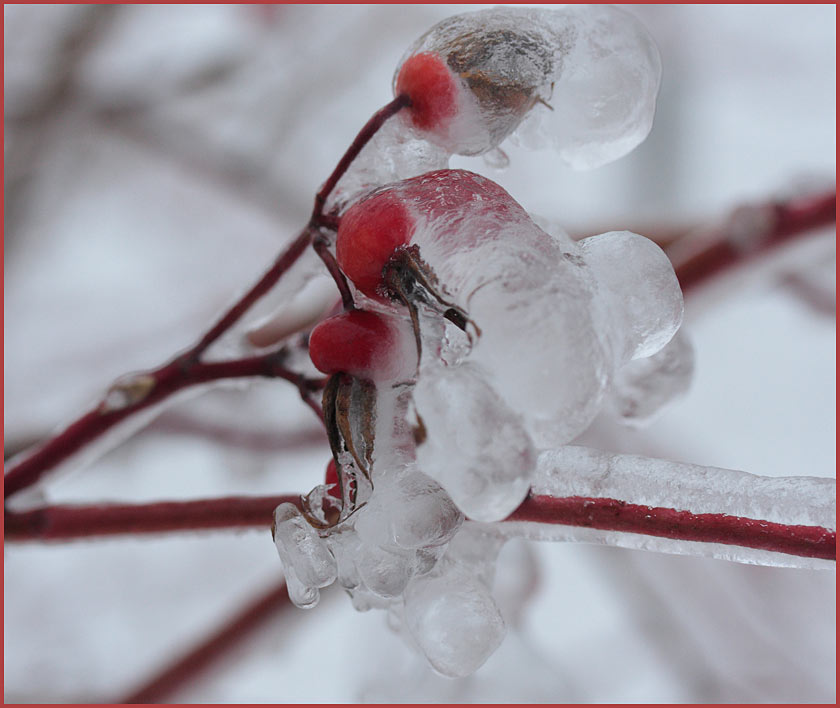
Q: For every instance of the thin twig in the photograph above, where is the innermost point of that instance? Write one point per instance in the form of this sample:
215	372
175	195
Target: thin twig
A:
617	515
140	392
255	440
322	249
376	121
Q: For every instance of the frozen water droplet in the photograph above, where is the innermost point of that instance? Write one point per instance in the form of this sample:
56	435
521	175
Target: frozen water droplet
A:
643	387
421	512
385	571
128	391
497	159
644	300
307	562
475	446
605	84
302	596
344	544
454	620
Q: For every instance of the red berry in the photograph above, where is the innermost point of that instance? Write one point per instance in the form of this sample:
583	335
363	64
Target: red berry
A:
430	85
373	228
369	233
455	194
359	343
331	480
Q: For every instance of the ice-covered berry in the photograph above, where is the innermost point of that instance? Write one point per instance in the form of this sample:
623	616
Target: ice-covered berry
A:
369	233
431	87
363	344
584	78
426	211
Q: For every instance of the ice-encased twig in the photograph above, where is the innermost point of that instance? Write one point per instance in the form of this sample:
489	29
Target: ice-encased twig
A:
786	506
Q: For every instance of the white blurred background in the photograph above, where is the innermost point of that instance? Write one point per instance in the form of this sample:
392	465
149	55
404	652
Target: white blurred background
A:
156	159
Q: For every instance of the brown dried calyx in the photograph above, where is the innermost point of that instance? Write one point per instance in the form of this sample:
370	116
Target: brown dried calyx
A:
477	57
411	281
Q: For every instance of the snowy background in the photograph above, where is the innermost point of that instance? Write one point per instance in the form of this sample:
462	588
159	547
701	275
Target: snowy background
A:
157	157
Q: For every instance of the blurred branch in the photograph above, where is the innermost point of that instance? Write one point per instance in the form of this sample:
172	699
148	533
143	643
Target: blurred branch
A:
256	441
68	522
820	299
33	123
200	658
749	232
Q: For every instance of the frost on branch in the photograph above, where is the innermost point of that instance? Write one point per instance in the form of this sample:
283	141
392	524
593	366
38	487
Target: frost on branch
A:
653	484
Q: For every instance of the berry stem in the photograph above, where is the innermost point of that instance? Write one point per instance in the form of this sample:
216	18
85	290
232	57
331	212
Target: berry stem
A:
71	522
376	121
322	249
187	369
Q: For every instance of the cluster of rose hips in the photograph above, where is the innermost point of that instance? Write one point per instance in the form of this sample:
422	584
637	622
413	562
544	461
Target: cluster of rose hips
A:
473	337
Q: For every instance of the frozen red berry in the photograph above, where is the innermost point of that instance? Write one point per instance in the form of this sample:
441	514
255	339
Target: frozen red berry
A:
436	203
331	480
363	344
369	233
430	85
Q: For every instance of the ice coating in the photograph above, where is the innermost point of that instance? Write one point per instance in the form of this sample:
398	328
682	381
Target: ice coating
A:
558	533
644	387
645	300
604	97
393	154
410	510
586	76
307	561
454	620
384	570
473	444
580	471
532	290
541	326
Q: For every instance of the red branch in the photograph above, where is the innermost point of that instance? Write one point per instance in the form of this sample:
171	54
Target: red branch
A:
68	522
199	659
616	515
139	393
59	523
376	121
750	232
269	279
